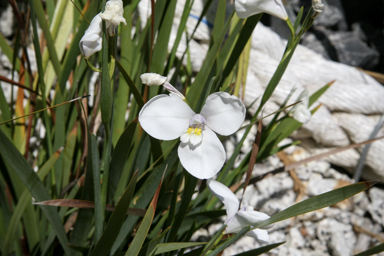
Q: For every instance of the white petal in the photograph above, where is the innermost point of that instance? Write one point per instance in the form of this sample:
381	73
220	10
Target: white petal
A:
205	159
173	90
304	96
224	113
152	79
226	196
301	113
165	117
91	41
246	8
251	217
259	234
234	225
114	12
185	137
195	139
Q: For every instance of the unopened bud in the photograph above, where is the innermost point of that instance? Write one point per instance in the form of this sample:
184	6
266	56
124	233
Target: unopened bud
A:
317	6
153	79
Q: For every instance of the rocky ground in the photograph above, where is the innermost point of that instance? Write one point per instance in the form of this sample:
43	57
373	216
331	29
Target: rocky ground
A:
351	226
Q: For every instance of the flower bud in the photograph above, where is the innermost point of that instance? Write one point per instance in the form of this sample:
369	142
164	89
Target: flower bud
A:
152	79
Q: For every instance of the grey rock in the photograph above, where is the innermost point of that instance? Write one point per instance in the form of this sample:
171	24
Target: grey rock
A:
376	206
344	47
339	237
295	238
362	243
6	21
318	185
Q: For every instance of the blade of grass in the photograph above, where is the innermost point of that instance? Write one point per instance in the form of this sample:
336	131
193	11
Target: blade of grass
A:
143	196
83	204
74	50
93	160
131	85
150	246
198	85
119	158
24	200
190	184
115	221
79	98
168	247
142	232
374	250
260	250
319	92
229	241
32	182
252	160
38	8
318	202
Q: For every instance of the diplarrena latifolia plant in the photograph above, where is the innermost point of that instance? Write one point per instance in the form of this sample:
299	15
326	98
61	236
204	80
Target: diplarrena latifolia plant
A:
115	145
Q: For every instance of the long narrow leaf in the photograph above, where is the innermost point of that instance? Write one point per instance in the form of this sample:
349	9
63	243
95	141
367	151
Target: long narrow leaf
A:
374	250
142	232
318	202
25	200
115	221
32	182
260	250
131	85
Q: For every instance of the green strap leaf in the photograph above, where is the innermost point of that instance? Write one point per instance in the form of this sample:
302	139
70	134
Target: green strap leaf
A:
131	85
374	250
141	234
116	221
24	200
260	250
168	247
33	183
229	241
318	202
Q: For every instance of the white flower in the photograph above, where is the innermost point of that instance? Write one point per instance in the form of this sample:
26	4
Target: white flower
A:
91	41
246	8
301	112
168	117
113	15
238	219
152	79
317	5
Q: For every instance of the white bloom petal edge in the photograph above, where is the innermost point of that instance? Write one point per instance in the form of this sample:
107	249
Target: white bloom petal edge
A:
165	117
224	113
246	8
205	159
90	43
259	234
301	113
226	196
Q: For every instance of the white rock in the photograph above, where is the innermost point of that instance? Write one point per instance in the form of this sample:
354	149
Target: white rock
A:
318	185
295	238
376	206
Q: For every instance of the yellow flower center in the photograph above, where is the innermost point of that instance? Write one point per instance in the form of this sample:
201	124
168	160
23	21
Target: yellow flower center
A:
194	130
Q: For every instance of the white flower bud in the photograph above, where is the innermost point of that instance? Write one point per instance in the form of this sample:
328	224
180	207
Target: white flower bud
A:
113	15
152	79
